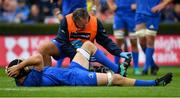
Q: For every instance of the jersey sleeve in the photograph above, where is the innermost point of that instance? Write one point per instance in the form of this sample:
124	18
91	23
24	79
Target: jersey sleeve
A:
34	78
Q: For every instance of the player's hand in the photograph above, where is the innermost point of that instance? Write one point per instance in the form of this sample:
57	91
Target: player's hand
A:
133	7
126	55
158	8
13	71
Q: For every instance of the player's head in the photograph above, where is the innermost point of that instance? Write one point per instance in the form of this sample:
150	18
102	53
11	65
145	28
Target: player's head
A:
81	17
22	73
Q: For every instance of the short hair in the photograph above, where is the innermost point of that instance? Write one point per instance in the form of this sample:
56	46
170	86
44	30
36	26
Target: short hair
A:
80	13
22	72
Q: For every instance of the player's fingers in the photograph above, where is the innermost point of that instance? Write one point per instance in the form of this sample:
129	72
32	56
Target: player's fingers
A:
12	74
8	70
9	74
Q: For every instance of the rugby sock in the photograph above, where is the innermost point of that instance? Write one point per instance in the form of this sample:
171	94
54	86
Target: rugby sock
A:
116	60
59	63
145	83
135	56
101	58
149	59
149	56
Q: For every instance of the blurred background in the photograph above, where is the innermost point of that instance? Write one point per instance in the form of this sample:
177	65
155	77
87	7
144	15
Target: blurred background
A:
26	23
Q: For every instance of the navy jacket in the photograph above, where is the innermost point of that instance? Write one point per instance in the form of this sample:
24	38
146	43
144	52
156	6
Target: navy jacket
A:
101	38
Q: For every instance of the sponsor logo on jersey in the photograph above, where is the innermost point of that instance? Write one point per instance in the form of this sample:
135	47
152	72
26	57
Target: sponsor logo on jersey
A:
81	35
151	27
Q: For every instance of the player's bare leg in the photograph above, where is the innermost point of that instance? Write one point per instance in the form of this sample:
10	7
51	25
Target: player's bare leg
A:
135	53
48	49
150	36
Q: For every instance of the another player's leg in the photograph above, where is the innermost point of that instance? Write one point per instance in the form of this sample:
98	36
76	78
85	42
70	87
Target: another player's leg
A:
118	27
48	49
135	54
134	43
150	51
140	33
151	32
119	36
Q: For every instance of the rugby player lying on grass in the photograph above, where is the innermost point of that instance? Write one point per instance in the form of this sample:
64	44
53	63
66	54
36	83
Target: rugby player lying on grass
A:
77	74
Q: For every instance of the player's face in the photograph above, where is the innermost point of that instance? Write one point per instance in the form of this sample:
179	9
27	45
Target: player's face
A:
82	23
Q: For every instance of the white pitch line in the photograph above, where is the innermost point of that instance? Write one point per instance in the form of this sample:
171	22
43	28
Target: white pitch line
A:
20	89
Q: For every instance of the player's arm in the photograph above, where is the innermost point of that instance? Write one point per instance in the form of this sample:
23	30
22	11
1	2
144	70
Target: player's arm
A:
36	61
112	5
63	38
160	6
103	39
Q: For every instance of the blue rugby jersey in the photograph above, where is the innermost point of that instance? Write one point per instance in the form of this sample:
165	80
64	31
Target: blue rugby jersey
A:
145	6
124	6
49	76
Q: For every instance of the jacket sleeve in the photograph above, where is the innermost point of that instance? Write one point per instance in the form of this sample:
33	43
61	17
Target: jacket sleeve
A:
63	38
103	39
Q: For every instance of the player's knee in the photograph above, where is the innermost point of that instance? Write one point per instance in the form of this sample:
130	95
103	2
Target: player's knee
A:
88	45
48	48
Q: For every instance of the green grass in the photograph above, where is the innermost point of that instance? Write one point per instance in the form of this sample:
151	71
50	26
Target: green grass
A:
8	88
